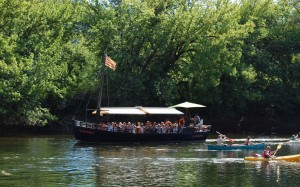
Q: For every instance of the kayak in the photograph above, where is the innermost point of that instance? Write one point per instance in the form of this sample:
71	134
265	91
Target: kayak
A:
294	141
290	158
235	146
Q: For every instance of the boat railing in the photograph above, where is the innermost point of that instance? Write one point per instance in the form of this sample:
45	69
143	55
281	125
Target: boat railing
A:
190	129
85	124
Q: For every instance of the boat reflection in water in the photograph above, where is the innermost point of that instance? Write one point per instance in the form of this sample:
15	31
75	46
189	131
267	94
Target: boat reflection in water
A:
186	164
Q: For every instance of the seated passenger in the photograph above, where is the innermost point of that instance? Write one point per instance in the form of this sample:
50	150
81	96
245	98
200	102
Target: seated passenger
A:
138	128
220	140
181	121
109	127
158	128
294	137
248	142
197	120
267	153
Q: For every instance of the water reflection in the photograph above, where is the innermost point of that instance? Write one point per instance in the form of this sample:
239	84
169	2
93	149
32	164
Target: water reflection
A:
62	161
277	173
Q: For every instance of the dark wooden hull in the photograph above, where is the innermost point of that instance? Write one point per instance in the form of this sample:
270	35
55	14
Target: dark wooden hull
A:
96	135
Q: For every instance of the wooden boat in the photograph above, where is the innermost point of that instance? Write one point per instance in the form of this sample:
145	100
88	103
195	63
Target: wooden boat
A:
235	146
85	134
102	132
93	132
289	158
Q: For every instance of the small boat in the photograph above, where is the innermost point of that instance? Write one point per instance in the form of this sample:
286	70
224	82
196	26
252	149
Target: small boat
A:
289	158
235	146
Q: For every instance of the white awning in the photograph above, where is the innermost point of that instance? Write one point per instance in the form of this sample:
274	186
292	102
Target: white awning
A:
139	110
121	110
161	110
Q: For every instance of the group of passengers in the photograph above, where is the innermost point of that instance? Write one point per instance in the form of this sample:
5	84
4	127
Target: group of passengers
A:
153	127
139	127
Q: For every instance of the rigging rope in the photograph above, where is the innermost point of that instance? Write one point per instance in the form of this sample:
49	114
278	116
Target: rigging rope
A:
79	106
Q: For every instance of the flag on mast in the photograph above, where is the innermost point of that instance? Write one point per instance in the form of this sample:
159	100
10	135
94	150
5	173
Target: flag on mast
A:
110	63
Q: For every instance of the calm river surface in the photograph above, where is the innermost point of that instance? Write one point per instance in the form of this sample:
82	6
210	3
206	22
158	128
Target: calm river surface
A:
62	161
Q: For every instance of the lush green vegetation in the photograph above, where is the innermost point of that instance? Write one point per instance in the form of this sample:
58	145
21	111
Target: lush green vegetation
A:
240	58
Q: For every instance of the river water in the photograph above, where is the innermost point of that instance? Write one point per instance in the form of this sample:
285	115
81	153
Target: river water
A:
63	161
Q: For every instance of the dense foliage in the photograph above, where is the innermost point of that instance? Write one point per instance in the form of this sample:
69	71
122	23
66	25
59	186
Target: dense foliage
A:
239	57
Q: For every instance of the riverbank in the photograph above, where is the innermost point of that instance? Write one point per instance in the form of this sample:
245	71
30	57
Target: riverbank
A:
258	125
23	130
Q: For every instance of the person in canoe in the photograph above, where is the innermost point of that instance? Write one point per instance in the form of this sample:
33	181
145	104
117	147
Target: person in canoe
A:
267	153
294	137
248	142
220	140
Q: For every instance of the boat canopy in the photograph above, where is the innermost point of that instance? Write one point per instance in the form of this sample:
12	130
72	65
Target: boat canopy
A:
139	110
161	110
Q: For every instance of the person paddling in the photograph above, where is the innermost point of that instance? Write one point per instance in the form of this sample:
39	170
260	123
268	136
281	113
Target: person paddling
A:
267	153
220	140
248	142
295	136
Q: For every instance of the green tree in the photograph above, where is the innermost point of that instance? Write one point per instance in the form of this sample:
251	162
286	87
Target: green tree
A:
37	58
270	50
237	57
168	49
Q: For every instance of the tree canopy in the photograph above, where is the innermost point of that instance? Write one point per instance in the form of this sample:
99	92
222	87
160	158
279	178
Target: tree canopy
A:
237	57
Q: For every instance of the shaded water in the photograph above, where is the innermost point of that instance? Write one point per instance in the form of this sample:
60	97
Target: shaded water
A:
62	161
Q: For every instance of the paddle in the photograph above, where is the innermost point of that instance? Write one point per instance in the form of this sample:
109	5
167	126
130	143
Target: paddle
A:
278	147
231	140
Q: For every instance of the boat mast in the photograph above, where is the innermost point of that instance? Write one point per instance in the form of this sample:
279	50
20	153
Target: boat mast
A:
101	82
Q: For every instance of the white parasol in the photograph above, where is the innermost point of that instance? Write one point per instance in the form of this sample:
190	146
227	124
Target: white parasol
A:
188	105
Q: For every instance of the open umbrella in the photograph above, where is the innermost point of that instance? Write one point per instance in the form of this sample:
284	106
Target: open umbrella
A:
187	105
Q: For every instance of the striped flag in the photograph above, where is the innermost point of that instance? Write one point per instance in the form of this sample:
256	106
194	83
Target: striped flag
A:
110	63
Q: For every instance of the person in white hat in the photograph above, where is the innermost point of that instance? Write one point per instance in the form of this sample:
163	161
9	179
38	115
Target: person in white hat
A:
267	153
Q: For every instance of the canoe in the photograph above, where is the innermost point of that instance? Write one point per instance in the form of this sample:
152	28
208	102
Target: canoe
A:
235	146
290	158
